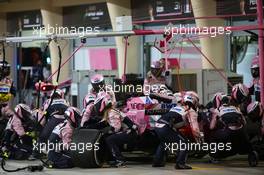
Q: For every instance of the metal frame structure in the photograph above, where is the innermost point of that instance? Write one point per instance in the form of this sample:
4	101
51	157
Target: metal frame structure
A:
124	33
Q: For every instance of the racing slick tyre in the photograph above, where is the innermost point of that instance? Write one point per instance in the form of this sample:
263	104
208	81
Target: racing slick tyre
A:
91	153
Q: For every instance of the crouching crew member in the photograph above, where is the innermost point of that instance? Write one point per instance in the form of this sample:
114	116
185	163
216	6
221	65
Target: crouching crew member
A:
255	114
54	109
121	129
254	88
62	133
232	131
167	129
91	115
7	90
98	85
16	142
155	83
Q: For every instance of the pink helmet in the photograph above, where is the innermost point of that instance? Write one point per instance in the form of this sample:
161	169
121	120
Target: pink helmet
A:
89	98
240	93
23	111
73	115
255	62
97	82
102	102
255	111
57	94
216	100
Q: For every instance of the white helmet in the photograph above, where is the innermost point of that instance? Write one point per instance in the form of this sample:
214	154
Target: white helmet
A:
57	94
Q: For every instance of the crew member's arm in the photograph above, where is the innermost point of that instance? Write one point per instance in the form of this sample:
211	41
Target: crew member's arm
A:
46	105
215	114
244	122
39	116
163	97
87	114
126	120
66	136
193	120
6	112
162	93
17	126
242	116
43	113
262	125
13	89
112	95
251	89
114	120
146	87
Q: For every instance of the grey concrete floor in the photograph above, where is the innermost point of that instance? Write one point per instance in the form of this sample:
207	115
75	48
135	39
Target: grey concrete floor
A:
231	166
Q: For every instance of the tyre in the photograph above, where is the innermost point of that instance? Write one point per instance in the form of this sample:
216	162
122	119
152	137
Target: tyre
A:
87	158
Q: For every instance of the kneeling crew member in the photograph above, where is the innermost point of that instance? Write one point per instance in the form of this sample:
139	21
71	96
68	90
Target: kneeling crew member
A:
167	129
62	133
16	142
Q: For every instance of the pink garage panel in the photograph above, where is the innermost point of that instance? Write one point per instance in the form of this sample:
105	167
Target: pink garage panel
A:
186	63
102	58
190	63
190	57
173	63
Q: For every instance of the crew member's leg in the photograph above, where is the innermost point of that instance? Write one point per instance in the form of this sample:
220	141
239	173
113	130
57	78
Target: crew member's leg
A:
115	141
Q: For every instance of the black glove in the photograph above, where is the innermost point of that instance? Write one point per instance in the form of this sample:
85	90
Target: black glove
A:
167	73
26	140
101	125
108	130
13	91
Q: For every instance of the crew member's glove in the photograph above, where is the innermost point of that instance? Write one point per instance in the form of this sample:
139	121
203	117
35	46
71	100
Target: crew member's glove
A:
133	128
5	153
167	73
108	130
200	138
31	134
13	91
26	140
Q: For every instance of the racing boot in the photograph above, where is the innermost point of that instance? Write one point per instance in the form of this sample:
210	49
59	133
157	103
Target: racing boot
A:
182	166
118	164
253	159
158	165
213	160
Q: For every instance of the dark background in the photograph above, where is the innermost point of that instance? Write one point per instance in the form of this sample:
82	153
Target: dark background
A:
77	16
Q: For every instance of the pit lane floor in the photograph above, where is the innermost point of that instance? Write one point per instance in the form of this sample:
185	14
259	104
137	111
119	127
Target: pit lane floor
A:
232	166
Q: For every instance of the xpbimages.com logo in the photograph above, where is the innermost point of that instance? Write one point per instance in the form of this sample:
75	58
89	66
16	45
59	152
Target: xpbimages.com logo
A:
209	147
50	146
61	30
190	30
129	88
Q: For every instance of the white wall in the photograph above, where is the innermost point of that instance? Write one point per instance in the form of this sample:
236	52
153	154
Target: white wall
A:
243	68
